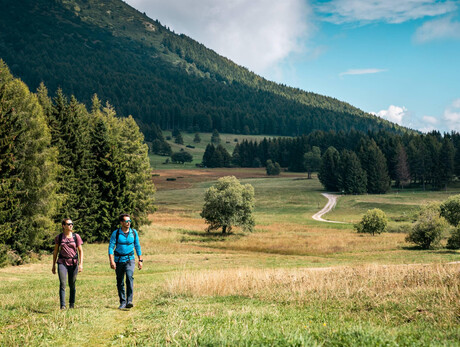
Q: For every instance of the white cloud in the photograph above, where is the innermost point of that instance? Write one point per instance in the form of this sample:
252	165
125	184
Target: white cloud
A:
430	120
254	33
390	11
443	28
361	71
452	115
394	114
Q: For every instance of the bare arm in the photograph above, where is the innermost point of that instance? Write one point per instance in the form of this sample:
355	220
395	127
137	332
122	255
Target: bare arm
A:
80	256
55	253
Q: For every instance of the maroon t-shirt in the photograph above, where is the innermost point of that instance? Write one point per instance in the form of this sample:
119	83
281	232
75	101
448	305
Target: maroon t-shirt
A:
68	249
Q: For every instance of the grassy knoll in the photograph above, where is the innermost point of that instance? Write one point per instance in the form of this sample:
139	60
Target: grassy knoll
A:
293	281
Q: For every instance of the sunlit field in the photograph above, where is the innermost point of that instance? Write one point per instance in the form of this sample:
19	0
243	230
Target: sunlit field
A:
293	281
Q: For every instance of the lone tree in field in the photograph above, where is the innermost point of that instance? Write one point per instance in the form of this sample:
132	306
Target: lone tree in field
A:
374	222
273	169
229	203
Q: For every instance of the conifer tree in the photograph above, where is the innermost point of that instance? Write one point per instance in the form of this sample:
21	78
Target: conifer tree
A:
28	170
352	178
208	155
215	138
374	163
402	167
329	169
446	161
312	160
179	139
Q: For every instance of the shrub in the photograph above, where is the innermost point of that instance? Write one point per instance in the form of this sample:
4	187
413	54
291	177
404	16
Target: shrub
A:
273	169
454	240
374	222
450	210
427	230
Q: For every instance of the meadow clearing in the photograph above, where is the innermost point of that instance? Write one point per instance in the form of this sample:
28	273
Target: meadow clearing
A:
293	281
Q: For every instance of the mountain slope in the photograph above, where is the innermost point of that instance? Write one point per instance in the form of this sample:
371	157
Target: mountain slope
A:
143	69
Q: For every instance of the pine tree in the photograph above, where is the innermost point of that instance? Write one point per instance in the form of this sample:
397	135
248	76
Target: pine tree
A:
28	170
179	139
312	160
402	167
208	155
215	138
446	161
352	178
197	138
374	163
329	169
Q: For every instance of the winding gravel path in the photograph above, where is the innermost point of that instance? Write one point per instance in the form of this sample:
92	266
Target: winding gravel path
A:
332	200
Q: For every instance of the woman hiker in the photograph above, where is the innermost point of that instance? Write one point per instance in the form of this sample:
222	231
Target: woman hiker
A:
70	260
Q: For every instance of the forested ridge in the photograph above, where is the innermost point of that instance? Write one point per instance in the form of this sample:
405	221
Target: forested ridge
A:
145	70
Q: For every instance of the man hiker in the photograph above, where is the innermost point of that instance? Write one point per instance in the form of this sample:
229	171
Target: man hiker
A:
122	244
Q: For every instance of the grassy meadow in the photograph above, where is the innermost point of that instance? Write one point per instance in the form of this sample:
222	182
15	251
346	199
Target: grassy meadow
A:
229	142
292	282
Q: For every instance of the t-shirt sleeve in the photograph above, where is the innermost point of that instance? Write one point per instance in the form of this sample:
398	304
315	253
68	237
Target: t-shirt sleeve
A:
56	240
79	240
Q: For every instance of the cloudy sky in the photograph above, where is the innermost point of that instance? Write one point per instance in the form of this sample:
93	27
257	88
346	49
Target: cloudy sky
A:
399	59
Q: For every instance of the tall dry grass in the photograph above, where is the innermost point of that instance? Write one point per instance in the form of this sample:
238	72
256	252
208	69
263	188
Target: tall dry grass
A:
434	285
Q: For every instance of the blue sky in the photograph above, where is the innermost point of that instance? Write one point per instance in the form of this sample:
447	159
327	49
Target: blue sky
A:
398	59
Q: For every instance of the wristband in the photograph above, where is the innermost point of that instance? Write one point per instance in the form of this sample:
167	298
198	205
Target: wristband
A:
141	260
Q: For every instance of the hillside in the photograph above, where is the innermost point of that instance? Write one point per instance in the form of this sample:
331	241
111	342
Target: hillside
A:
144	69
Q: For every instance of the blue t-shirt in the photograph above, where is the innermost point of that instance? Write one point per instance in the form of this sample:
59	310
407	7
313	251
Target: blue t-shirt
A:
124	250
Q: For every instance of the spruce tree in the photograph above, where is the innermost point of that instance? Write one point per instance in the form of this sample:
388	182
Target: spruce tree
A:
312	160
352	178
28	170
402	167
215	138
329	169
374	163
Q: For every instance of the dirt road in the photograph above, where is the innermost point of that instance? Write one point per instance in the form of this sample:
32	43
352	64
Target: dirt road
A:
332	200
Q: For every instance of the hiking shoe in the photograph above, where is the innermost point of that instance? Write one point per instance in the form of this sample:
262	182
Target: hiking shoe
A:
63	307
129	305
122	306
71	306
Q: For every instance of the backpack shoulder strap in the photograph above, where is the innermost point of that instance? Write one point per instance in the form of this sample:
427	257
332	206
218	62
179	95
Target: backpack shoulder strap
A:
116	238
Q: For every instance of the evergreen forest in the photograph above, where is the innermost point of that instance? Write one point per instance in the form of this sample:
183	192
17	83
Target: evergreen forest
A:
162	79
60	160
353	162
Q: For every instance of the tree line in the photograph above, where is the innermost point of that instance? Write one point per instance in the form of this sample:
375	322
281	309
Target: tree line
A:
58	159
355	162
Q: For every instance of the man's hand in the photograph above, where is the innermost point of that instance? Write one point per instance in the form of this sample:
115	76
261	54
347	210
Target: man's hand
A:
113	265
80	268
139	264
53	270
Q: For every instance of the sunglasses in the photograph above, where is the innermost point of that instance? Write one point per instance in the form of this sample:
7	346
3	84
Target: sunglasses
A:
68	223
127	221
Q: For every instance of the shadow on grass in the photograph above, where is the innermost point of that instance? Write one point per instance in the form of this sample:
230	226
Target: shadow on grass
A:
204	236
431	250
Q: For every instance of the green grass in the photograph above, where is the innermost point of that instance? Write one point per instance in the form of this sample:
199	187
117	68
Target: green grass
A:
412	312
227	140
